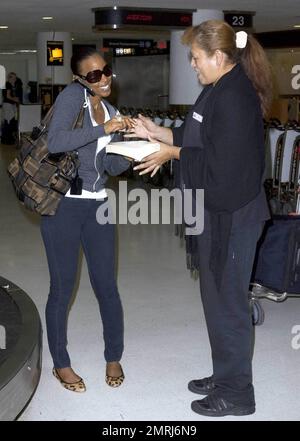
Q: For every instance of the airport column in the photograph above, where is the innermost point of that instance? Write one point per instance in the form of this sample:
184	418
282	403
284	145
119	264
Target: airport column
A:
184	86
54	51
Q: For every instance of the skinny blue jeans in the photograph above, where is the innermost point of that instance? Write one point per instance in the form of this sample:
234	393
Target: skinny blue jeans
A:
75	224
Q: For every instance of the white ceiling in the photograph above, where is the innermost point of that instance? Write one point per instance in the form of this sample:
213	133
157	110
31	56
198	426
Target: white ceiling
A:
24	17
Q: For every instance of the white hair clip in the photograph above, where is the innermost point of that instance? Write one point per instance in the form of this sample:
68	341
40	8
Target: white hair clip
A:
241	39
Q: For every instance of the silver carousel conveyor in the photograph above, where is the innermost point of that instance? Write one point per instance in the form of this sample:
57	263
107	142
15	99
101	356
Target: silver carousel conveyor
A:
20	349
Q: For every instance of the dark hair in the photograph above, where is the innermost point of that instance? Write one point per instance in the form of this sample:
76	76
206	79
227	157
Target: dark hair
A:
80	55
217	34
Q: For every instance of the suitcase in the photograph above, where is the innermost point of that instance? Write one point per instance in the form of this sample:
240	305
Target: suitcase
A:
277	263
9	132
276	270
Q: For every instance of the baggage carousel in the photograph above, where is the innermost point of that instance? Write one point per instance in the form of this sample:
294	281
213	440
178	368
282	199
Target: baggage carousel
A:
20	349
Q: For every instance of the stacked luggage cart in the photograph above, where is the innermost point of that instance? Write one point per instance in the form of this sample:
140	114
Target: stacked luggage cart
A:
276	272
165	118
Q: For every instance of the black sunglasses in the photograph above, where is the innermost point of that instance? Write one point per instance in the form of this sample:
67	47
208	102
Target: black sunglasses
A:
95	75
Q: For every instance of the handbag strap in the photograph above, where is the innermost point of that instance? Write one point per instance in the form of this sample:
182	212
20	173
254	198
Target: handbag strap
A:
47	118
78	123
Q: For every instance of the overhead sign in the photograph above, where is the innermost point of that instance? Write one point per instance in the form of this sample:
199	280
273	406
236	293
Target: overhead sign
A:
126	42
279	39
238	19
55	53
118	17
128	47
129	51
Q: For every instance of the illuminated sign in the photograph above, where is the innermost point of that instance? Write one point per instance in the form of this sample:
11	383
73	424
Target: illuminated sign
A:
55	53
238	19
127	47
110	18
125	43
121	52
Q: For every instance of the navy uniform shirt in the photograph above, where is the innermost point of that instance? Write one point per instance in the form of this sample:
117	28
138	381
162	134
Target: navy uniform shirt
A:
255	211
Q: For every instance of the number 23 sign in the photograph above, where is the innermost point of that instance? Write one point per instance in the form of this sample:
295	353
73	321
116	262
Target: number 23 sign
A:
239	19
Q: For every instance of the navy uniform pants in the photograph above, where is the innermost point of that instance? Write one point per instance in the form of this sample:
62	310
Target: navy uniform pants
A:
228	315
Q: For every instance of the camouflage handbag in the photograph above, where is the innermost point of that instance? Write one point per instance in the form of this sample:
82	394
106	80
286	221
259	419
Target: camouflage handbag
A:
40	178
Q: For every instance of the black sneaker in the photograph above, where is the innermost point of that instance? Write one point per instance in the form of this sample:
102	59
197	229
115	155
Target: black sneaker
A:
215	406
204	386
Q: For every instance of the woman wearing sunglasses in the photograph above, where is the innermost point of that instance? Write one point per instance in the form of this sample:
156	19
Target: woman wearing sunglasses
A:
75	223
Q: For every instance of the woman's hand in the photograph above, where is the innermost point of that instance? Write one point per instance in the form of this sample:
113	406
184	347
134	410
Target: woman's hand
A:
118	123
153	162
143	128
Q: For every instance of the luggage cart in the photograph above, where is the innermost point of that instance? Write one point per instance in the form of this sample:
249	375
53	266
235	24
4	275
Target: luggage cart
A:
276	272
259	292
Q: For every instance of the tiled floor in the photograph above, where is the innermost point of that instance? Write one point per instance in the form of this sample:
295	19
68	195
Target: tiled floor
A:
166	339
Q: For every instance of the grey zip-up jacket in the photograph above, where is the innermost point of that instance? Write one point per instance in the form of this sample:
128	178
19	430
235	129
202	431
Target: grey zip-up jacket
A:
93	170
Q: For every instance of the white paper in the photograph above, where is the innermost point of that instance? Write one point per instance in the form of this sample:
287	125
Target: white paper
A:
133	149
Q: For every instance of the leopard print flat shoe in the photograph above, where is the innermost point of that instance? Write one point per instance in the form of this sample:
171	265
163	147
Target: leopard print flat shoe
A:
115	381
78	386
